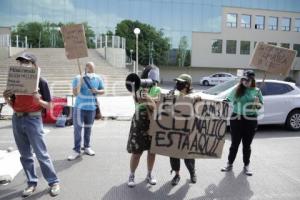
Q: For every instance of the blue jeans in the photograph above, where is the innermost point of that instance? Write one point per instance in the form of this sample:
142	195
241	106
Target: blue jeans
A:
28	134
82	119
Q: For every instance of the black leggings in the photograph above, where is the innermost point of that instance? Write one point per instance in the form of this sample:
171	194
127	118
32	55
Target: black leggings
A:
243	129
189	163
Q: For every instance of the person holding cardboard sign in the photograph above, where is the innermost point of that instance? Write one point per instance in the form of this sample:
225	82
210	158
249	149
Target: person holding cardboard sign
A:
28	130
139	139
247	100
184	86
85	108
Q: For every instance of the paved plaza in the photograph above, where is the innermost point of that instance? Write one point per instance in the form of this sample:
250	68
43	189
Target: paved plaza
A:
275	162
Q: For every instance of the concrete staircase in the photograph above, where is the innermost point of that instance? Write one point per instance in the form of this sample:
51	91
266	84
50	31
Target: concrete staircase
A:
59	71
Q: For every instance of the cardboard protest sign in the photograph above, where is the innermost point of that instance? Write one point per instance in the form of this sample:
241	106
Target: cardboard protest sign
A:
276	60
74	41
182	127
23	80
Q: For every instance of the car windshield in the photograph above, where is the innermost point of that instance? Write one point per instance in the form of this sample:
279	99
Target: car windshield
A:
221	88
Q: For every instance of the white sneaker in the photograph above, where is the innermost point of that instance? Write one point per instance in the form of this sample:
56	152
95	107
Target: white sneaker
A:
131	182
74	155
28	191
89	151
247	171
151	180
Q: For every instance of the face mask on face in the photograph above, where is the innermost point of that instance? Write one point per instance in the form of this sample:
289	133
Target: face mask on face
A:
180	85
90	75
26	65
246	83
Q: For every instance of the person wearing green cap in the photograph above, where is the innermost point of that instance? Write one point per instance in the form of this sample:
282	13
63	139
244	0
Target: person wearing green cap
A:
184	87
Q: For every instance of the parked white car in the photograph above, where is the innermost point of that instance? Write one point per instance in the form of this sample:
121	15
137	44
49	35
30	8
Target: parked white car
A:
216	79
281	101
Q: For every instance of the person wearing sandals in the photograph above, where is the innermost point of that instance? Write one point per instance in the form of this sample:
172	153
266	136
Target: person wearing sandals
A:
139	140
247	100
184	87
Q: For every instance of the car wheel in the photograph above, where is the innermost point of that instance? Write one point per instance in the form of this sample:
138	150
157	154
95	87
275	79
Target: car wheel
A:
293	120
206	83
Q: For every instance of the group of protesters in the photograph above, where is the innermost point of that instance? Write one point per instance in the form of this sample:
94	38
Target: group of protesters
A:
28	126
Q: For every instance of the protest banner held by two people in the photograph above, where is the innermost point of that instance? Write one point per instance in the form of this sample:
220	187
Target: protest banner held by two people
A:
185	127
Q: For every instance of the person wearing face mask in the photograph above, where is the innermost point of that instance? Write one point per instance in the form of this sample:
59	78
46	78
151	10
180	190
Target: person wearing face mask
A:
28	130
85	108
247	100
139	139
183	86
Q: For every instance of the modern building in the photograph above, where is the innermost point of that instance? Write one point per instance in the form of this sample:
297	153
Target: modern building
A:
241	29
175	19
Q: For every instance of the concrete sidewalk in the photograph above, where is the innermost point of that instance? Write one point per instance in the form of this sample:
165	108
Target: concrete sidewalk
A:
111	106
275	162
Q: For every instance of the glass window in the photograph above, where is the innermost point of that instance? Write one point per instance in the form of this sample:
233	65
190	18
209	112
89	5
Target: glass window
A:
231	46
231	20
297	48
245	48
260	22
246	21
285	45
269	88
255	44
286	24
273	23
216	46
297	24
272	43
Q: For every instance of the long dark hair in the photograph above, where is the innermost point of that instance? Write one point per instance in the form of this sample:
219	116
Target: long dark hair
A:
240	91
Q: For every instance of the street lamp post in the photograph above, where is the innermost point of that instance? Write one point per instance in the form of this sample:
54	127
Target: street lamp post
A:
137	32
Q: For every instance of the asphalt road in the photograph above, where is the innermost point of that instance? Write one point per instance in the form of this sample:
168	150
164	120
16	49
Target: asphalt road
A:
275	162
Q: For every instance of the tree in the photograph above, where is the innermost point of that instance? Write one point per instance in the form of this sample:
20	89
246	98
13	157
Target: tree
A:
183	54
46	34
149	34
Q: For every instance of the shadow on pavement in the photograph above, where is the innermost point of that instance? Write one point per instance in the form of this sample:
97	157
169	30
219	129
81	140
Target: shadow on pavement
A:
61	165
229	188
141	191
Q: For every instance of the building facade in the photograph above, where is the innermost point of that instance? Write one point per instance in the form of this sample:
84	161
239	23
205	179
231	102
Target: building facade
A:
241	29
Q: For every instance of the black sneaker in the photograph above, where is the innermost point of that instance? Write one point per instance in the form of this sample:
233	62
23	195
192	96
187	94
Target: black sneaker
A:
193	177
227	168
175	180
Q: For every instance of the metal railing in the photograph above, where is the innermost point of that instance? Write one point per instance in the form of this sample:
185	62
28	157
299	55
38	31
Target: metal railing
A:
111	41
5	40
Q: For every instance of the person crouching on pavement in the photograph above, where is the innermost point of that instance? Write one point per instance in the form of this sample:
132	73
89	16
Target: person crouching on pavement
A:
28	130
247	100
184	87
85	108
139	140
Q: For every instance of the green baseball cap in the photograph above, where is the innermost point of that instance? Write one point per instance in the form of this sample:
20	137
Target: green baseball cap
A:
184	78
